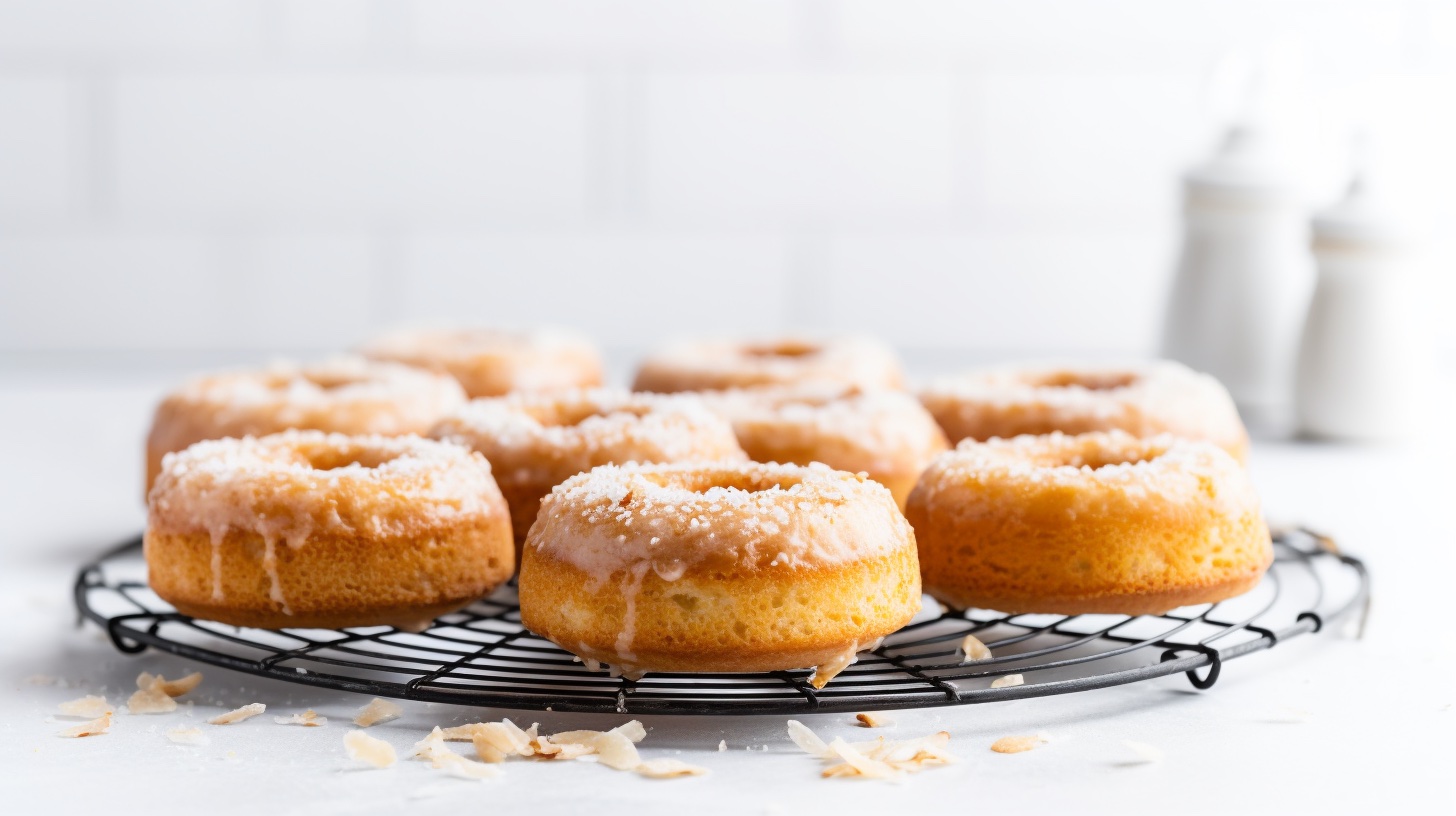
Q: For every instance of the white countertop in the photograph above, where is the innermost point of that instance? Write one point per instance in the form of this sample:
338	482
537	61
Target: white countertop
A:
1321	724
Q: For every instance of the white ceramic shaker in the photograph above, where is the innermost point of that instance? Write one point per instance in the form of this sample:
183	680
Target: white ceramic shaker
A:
1365	369
1243	278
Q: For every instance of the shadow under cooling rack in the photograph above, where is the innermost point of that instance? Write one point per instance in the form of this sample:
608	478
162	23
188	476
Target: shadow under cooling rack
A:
483	656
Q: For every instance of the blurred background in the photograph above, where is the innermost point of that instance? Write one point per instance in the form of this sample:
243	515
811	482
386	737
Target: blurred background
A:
190	181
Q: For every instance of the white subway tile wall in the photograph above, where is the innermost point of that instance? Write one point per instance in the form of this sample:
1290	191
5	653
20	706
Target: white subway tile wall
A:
292	175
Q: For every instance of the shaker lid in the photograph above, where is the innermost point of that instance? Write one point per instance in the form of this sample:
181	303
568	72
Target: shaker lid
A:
1359	220
1243	163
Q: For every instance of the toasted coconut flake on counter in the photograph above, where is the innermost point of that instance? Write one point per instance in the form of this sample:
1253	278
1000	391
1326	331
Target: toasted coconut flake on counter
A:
614	748
668	768
1007	681
495	742
1143	752
237	715
498	740
154	693
91	706
871	720
308	718
363	748
187	736
807	740
171	688
433	750
1015	745
379	710
881	759
974	649
100	725
150	701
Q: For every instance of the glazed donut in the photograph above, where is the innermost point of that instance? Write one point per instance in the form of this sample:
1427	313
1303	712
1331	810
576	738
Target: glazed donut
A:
345	395
314	530
489	363
886	434
537	441
1143	399
718	567
1101	522
716	365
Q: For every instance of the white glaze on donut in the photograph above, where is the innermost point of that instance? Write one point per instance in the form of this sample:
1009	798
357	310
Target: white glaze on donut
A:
1157	475
746	515
1144	399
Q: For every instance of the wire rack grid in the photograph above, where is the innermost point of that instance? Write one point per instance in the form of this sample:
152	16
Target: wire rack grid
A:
483	656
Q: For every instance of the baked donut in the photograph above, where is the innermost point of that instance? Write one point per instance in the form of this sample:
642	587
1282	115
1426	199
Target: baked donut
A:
715	365
537	441
1101	522
886	434
313	530
1143	399
347	395
489	363
718	568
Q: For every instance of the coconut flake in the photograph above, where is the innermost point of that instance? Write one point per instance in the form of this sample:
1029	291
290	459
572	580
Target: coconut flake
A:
974	649
1008	681
100	725
807	740
187	736
668	768
237	715
1015	745
172	688
150	701
91	706
869	720
379	710
309	718
433	749
363	748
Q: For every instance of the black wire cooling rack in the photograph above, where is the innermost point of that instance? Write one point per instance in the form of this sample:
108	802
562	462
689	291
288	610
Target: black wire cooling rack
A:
483	656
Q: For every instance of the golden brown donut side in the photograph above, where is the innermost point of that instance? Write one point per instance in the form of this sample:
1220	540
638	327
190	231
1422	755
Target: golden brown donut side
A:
1070	545
304	528
719	567
731	620
403	582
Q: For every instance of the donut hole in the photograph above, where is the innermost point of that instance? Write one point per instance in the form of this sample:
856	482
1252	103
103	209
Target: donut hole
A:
704	482
336	458
553	414
575	415
786	348
1097	457
329	382
1090	380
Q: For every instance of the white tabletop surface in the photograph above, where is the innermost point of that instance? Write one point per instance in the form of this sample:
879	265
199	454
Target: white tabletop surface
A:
1323	724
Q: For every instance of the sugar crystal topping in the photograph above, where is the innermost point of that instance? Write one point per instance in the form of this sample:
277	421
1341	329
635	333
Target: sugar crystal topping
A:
287	485
601	425
616	517
1163	470
870	427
